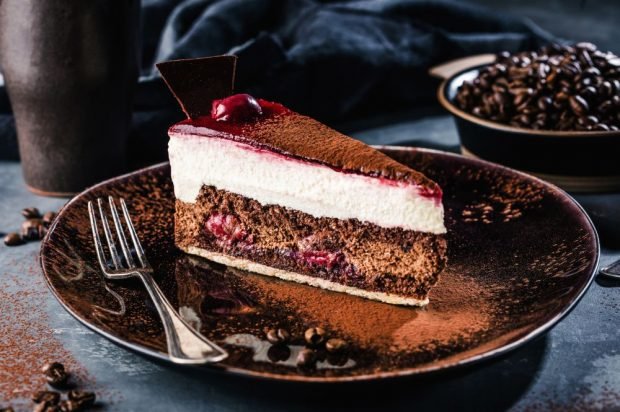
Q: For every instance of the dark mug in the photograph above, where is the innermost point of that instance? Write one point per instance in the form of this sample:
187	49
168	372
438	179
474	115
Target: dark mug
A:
70	67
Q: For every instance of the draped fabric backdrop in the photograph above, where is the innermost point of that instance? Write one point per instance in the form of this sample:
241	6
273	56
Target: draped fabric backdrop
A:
330	60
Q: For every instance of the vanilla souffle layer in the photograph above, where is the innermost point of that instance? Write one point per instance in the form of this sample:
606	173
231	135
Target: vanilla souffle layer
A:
274	179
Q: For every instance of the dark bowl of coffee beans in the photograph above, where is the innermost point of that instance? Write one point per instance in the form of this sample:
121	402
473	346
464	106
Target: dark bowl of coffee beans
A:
554	112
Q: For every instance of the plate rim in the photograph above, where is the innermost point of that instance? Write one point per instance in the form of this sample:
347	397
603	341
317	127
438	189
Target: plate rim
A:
426	369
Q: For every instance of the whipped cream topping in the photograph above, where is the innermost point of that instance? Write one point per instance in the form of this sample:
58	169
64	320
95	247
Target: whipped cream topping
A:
274	179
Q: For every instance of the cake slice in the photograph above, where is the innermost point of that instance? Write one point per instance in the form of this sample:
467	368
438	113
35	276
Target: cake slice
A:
263	188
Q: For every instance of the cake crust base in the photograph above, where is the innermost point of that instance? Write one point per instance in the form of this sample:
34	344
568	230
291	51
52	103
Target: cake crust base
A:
248	265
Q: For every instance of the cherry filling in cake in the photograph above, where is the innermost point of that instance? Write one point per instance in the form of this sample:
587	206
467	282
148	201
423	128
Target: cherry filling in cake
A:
262	188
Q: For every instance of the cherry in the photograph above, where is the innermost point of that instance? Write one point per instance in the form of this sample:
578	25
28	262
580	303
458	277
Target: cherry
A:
228	230
322	258
236	108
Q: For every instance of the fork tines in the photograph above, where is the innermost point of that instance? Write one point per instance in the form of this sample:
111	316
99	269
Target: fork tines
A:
131	258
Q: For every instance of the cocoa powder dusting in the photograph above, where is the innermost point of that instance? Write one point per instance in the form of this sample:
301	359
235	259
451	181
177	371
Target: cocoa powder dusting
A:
26	340
458	310
507	199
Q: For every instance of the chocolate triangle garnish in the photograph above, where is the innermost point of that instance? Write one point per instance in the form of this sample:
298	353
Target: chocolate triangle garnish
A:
195	83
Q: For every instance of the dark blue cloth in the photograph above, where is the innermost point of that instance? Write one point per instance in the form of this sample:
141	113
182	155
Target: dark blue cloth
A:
330	60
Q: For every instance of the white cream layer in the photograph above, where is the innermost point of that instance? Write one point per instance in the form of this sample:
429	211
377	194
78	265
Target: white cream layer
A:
273	179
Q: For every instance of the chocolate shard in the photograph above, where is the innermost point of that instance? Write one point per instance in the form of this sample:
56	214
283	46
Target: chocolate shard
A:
195	83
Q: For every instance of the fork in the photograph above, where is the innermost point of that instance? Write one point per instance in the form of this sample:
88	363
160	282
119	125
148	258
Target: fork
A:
613	270
185	345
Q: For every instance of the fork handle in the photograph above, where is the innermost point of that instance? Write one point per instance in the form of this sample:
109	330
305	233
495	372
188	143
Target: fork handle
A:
613	270
185	345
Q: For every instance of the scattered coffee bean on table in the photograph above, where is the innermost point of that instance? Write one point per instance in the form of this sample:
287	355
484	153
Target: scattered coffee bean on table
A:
45	407
32	229
315	336
31	213
566	88
13	239
69	406
55	374
84	398
49	397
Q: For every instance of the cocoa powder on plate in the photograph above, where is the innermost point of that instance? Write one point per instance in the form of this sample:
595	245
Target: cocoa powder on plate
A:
458	309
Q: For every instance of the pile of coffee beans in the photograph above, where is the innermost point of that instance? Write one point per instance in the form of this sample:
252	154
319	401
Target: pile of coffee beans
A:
558	87
52	400
33	228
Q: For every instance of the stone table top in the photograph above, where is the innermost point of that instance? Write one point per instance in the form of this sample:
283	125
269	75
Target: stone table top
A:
576	364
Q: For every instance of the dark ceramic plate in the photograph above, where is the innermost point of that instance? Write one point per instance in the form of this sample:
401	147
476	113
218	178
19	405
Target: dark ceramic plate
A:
521	254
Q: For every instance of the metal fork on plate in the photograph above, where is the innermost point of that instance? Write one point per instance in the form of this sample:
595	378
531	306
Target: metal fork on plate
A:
184	344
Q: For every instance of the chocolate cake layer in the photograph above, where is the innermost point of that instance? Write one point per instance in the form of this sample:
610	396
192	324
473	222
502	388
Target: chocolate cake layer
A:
346	252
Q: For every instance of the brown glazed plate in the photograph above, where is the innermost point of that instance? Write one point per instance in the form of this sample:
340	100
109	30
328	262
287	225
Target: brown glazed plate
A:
521	254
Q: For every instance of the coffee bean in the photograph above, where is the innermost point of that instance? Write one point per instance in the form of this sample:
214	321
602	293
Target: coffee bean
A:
335	345
605	107
49	397
83	398
13	239
591	72
584	57
48	218
521	98
614	61
70	406
544	102
522	119
46	407
561	96
586	46
278	353
31	213
502	56
278	336
606	89
306	358
31	229
55	374
315	336
578	105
